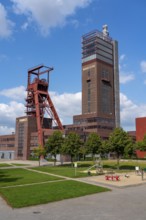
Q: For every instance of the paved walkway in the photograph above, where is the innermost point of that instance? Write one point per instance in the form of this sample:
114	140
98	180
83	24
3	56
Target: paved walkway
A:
25	162
119	204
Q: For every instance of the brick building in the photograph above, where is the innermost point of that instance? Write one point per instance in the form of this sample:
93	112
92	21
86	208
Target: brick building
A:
7	146
140	128
100	85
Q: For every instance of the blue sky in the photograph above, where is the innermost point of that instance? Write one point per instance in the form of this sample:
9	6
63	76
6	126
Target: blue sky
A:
49	32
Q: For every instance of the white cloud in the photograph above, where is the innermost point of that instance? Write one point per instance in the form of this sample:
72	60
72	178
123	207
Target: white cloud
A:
10	111
126	77
122	57
25	26
8	114
143	66
6	25
6	130
67	105
75	23
48	13
130	111
18	93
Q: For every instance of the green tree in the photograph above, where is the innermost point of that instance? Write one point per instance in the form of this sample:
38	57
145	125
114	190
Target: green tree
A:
129	150
104	148
82	151
118	140
72	145
54	144
141	145
39	152
93	144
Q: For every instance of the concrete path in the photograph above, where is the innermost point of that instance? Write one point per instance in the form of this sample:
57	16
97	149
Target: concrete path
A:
119	204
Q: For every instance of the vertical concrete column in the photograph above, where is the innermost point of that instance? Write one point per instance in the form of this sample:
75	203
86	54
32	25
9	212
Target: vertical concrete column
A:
116	84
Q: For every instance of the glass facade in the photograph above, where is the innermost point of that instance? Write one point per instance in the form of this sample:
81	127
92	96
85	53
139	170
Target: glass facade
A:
106	92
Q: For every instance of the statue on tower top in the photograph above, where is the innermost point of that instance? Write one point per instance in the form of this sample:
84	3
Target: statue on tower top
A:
105	30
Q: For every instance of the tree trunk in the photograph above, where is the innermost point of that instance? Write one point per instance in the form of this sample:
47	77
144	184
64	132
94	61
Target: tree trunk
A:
39	161
72	161
118	161
55	160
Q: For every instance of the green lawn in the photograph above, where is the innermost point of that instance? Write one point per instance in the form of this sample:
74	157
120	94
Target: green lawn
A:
19	164
5	165
9	177
112	164
49	192
124	165
52	191
67	171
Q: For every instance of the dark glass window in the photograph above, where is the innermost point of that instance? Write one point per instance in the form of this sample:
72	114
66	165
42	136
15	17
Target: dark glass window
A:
106	98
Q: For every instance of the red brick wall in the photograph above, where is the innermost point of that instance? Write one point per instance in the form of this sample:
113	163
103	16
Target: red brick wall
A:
140	128
141	154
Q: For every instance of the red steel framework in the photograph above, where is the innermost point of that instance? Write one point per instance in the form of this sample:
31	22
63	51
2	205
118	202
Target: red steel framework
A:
38	101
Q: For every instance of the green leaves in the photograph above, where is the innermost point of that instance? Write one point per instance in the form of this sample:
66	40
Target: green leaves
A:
72	144
39	151
93	143
118	142
141	145
54	144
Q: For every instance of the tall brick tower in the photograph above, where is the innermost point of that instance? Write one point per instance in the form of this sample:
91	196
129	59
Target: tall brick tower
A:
100	84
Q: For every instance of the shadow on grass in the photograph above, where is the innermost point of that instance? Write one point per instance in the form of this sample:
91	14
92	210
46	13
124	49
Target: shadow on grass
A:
9	180
121	167
127	167
5	178
86	165
110	166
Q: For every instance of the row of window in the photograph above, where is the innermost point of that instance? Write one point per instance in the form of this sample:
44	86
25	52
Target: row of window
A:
95	119
7	145
92	127
99	127
20	139
6	139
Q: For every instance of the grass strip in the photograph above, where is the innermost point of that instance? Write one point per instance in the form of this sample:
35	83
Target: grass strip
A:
50	192
5	165
10	177
112	164
63	171
19	164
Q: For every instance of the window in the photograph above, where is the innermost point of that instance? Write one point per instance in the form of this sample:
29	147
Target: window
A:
20	138
105	75
106	92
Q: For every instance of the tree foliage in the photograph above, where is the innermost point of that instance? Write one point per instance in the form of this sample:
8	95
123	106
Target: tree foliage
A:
39	152
93	144
72	145
118	141
104	148
141	145
129	150
54	144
